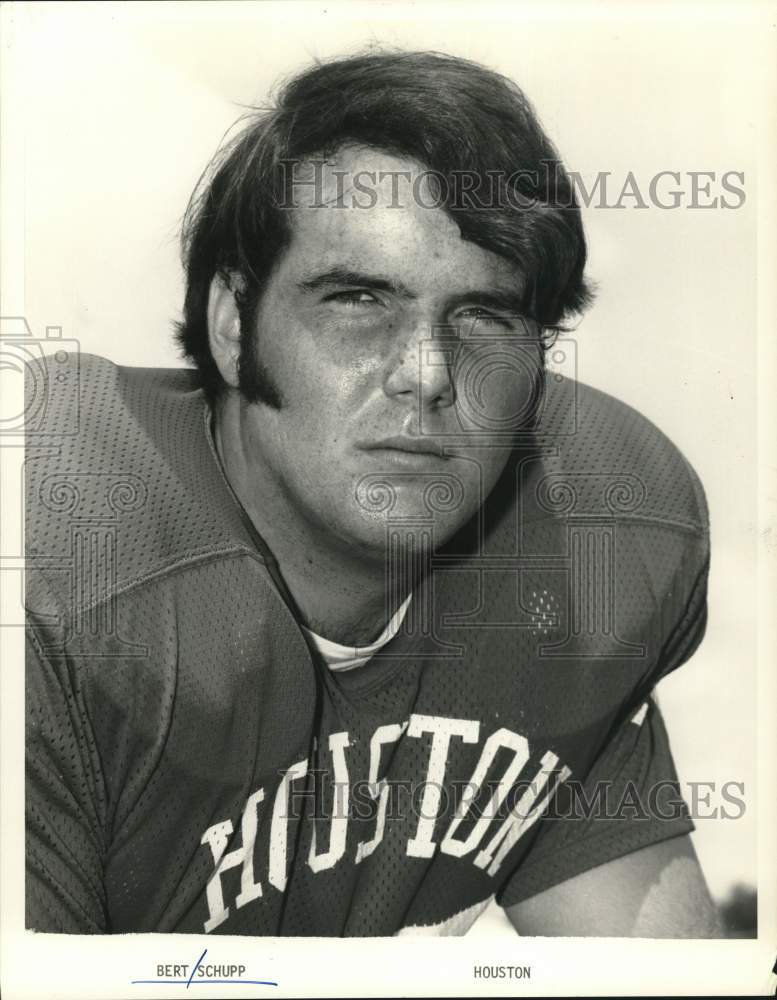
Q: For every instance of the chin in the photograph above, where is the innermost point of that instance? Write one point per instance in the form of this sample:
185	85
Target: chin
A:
407	525
445	499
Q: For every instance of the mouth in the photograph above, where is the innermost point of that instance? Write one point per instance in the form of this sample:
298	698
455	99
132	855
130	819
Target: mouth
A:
407	447
408	451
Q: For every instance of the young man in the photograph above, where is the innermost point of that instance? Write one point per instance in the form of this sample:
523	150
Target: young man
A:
356	627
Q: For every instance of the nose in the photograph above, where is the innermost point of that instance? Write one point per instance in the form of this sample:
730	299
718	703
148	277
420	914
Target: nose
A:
420	367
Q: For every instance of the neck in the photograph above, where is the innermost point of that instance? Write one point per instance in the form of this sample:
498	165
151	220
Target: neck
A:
340	591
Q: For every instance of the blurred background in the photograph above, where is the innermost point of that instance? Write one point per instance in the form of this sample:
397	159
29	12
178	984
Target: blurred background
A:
124	105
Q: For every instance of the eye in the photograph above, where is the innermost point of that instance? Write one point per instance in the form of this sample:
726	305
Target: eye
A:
358	297
476	315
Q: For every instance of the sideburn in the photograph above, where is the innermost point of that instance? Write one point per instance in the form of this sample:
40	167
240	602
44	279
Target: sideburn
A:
255	381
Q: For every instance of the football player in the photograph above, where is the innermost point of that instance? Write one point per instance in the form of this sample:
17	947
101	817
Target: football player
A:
354	627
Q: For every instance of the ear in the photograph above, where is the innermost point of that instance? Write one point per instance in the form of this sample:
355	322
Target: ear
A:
224	329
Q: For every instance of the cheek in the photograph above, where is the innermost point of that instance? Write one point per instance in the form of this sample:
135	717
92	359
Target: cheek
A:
334	355
349	348
496	388
324	398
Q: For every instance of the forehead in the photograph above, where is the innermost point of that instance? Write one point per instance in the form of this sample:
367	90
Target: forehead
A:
370	211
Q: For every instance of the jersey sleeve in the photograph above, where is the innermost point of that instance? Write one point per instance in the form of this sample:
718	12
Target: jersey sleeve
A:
64	839
630	798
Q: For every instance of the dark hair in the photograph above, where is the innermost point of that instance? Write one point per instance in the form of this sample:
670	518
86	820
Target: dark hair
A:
454	117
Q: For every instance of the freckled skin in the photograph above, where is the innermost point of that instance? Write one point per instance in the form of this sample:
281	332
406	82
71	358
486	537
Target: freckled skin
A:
338	372
350	373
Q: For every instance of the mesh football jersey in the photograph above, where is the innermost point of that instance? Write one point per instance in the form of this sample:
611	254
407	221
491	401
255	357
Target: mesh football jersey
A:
193	767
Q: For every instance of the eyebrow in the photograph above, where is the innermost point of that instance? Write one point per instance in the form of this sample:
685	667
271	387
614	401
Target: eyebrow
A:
340	276
507	301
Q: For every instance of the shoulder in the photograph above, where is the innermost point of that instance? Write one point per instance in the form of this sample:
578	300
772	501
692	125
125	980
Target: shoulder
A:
600	527
120	466
75	402
614	462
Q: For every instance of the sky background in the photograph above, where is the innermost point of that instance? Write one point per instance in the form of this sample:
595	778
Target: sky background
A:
124	107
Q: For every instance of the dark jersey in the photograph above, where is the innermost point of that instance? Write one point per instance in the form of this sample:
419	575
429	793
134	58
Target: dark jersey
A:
193	767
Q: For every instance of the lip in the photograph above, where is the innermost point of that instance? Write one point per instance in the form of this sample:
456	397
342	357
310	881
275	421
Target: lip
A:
422	446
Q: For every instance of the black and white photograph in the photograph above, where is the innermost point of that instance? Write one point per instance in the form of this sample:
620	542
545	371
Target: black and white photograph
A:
388	519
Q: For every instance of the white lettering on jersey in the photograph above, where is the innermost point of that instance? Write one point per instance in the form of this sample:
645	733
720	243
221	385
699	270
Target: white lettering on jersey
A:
443	730
217	837
501	738
378	789
523	816
279	833
338	828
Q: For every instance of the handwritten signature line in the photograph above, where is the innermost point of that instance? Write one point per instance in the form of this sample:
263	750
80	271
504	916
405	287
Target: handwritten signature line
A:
197	965
198	982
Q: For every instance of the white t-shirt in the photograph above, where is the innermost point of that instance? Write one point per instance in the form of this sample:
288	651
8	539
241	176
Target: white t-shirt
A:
339	657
